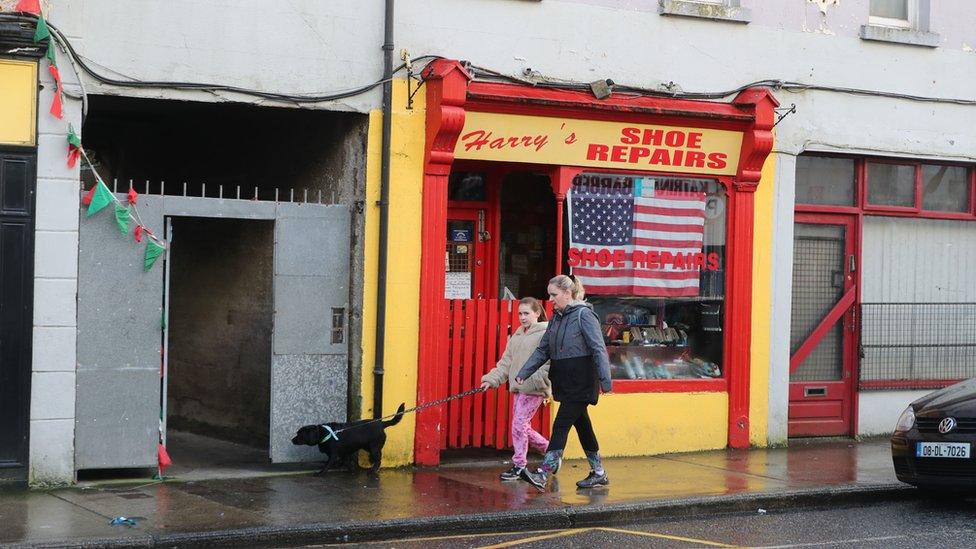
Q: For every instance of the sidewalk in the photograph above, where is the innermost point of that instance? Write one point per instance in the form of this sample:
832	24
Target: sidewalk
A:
426	501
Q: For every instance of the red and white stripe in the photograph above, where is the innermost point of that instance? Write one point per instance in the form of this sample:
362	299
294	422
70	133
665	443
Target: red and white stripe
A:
668	222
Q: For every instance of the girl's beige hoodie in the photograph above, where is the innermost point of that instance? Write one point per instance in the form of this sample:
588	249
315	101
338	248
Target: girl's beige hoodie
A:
519	348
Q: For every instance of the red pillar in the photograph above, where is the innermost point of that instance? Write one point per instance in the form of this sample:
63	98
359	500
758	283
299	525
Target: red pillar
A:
446	83
757	141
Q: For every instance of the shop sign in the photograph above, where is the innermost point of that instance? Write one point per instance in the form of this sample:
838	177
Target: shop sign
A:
572	142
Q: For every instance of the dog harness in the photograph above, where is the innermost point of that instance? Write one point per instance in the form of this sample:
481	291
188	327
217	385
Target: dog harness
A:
330	434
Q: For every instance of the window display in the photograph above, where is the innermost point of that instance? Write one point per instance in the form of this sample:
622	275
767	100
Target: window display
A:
650	251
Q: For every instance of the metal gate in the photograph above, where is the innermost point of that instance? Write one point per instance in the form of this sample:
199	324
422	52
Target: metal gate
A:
120	336
478	333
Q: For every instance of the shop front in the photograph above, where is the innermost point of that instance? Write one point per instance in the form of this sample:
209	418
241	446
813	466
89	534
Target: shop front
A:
650	202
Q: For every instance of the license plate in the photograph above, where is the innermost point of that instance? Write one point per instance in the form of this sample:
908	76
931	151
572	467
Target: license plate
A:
942	450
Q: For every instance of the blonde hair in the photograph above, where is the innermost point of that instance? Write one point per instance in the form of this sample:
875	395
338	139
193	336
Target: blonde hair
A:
535	305
570	284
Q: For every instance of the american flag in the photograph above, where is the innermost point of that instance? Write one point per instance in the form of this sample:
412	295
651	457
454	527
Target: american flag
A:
637	217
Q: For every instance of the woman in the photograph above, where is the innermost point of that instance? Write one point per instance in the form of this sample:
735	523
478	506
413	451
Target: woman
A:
531	394
580	368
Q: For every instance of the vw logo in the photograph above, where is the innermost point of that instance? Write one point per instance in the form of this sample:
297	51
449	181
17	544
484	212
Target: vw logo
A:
947	425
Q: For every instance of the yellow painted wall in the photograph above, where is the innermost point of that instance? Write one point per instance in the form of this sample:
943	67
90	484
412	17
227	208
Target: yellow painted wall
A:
403	268
762	303
640	424
18	102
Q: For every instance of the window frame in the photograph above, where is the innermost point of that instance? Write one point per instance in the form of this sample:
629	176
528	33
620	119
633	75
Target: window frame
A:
862	206
912	10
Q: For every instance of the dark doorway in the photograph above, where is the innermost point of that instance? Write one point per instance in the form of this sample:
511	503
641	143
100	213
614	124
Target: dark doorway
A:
219	330
527	252
17	177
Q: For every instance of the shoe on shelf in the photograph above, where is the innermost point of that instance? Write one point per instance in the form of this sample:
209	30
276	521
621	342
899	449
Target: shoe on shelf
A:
512	474
537	479
593	479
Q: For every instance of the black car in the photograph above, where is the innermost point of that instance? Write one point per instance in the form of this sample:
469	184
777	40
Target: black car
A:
933	442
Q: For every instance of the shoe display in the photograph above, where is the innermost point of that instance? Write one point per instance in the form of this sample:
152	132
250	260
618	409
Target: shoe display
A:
537	479
594	479
512	474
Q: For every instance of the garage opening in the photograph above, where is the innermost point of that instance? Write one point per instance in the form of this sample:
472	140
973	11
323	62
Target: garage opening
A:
219	325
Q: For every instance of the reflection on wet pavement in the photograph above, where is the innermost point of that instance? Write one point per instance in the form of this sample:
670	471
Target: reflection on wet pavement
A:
343	497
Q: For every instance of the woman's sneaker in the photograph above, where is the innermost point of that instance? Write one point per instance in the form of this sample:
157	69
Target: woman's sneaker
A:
594	479
512	474
537	479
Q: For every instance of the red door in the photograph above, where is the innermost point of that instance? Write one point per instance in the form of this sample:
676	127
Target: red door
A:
466	255
822	331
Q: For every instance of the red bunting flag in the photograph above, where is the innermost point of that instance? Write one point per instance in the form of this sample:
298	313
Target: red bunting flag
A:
86	200
133	196
29	6
56	108
74	147
164	459
138	232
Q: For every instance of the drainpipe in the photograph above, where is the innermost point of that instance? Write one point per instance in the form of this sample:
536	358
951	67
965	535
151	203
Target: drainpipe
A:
384	205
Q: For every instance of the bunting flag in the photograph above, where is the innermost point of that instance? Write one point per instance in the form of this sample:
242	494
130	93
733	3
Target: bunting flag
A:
41	32
153	251
56	108
29	6
100	198
74	147
122	217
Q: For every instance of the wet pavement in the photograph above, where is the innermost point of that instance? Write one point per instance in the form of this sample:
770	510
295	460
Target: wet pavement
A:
343	501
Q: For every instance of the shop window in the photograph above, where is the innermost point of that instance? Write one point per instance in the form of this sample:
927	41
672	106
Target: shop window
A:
891	185
467	187
651	253
825	181
945	188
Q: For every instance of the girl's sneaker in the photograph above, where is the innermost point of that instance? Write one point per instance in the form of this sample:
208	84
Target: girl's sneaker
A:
594	479
512	474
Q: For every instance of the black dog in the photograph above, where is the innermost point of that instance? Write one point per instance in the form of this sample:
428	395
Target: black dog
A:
355	436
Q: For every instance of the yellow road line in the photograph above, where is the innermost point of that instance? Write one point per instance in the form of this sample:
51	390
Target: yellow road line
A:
432	538
515	542
665	536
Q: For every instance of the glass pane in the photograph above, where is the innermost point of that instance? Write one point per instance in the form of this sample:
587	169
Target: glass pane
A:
892	9
891	185
821	180
466	186
945	188
818	283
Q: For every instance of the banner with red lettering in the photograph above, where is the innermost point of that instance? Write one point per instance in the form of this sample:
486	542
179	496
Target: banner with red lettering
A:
633	235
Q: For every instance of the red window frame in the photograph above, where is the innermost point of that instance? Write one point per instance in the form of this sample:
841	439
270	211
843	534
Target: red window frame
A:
861	182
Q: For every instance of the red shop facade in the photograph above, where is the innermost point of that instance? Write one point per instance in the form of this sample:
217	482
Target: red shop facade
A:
503	163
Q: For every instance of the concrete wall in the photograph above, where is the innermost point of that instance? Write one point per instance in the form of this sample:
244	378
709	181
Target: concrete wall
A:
52	412
220	324
879	410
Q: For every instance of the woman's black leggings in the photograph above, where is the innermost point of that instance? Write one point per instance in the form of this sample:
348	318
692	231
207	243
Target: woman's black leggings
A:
573	414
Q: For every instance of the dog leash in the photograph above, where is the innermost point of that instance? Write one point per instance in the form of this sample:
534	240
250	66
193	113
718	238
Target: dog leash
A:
467	393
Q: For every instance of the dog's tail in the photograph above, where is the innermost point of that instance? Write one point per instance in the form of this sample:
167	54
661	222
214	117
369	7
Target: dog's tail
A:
396	419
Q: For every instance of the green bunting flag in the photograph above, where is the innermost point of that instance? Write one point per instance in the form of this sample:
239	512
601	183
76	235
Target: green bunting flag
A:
50	52
42	31
153	251
122	217
101	198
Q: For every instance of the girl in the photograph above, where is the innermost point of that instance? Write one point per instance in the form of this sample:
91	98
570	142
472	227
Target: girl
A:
529	395
580	368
